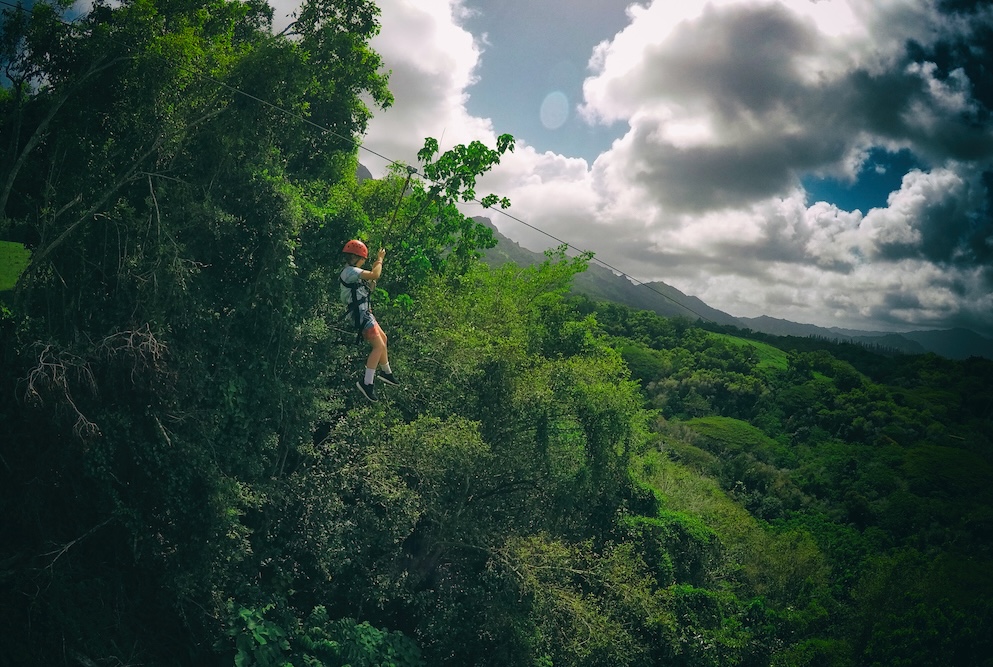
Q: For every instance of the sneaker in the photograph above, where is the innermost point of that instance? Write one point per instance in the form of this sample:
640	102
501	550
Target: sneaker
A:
368	390
389	378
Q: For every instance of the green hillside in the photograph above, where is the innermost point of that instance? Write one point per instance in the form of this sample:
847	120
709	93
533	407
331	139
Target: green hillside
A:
769	358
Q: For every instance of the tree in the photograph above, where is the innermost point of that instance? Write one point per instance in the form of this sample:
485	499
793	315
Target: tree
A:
418	218
167	351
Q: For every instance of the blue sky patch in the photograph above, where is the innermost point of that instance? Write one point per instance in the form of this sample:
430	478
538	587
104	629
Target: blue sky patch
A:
882	173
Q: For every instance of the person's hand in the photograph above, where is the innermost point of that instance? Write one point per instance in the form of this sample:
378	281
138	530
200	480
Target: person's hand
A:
381	254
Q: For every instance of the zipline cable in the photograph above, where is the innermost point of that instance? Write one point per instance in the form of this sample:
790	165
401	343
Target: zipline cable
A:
410	170
607	266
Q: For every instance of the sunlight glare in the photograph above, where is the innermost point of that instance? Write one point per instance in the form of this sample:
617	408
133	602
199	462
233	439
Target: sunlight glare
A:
554	110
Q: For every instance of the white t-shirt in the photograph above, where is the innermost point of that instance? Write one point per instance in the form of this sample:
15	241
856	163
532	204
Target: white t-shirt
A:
353	275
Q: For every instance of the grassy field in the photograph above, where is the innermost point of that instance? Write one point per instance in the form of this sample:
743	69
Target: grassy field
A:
13	260
776	564
770	357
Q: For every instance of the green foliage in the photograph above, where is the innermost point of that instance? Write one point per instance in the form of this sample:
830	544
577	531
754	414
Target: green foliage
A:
178	373
934	470
733	436
14	258
847	469
315	642
678	547
454	172
258	641
644	363
769	358
419	219
916	610
786	568
688	372
754	467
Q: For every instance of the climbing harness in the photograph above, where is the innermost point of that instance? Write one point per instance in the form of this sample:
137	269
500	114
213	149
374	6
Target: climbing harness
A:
355	303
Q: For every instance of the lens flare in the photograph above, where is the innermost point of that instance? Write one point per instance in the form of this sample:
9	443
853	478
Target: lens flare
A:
554	110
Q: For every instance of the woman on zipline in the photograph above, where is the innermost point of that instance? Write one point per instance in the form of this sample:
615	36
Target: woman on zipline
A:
355	292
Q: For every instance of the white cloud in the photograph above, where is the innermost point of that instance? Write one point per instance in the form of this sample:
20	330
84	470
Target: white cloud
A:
833	238
744	96
433	62
897	228
939	99
728	104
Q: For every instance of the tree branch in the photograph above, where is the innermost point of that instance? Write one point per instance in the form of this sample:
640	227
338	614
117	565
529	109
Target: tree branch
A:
128	177
42	127
65	547
503	488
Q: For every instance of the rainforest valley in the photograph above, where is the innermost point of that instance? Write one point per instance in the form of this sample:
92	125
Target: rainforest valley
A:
188	475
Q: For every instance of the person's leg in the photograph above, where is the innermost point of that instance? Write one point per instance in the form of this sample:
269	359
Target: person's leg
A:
378	353
384	359
385	372
367	385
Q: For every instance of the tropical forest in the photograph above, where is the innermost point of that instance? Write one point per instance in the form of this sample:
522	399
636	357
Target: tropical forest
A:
189	475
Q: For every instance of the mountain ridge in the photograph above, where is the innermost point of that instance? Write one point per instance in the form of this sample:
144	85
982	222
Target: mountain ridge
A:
601	283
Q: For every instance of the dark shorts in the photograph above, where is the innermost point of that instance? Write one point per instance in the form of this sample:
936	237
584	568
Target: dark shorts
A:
370	327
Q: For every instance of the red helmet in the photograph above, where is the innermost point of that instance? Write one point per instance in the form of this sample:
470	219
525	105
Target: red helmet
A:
356	247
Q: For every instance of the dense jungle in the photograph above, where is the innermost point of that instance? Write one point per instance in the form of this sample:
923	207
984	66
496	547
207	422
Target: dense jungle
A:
188	475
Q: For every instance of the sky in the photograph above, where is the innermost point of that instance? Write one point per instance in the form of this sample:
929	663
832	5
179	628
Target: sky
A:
823	161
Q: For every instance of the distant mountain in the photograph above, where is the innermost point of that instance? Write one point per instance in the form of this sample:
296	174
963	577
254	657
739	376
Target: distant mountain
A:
656	296
778	327
890	341
507	250
953	343
950	343
362	173
605	285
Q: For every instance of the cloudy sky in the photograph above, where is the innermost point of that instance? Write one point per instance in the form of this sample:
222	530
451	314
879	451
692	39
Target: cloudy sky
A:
823	161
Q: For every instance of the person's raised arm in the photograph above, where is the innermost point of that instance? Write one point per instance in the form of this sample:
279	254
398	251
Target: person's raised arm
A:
377	267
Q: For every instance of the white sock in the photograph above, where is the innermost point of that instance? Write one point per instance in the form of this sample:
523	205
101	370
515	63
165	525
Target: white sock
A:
370	375
386	369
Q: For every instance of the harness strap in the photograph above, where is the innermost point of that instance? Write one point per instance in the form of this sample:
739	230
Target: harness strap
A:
353	307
